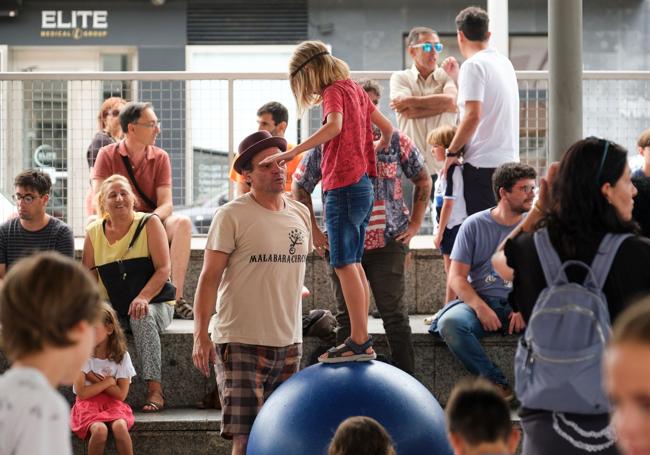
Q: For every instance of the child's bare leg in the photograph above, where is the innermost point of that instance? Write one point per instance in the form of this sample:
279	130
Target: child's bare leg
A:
449	293
98	437
366	287
355	291
122	437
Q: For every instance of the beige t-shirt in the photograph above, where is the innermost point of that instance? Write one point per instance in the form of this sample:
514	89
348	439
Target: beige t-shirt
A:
409	83
259	298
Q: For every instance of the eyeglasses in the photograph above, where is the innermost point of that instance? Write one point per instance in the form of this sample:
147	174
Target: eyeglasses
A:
428	47
27	198
527	188
114	113
148	125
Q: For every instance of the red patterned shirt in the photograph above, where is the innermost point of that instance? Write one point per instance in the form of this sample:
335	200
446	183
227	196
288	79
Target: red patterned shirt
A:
350	155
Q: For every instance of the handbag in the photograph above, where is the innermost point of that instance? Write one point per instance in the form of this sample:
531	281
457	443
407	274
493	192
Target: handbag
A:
125	278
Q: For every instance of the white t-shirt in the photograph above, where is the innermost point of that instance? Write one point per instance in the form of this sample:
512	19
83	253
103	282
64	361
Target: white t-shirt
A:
454	192
33	415
490	78
259	298
106	368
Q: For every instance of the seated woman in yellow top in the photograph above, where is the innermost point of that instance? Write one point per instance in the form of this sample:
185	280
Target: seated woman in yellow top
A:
107	240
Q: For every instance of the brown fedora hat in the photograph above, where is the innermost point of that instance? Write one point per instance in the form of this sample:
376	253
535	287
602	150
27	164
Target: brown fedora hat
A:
255	143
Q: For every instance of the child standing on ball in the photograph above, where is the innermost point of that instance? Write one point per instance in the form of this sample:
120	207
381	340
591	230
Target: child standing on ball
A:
316	77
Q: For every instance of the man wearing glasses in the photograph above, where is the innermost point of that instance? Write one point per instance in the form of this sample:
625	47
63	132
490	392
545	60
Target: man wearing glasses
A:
33	230
149	171
423	96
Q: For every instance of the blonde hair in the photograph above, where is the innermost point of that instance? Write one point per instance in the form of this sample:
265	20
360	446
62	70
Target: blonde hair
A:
116	346
443	135
644	139
310	73
100	197
107	105
633	325
43	297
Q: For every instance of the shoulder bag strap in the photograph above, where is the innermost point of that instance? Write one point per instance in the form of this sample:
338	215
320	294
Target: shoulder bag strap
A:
129	169
139	228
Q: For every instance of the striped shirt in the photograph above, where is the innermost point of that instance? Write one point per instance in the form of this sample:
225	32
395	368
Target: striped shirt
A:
17	242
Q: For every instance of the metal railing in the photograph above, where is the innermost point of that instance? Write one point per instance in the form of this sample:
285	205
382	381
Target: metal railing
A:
47	120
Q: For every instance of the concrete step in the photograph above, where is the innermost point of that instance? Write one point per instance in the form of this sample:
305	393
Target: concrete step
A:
181	428
425	277
184	386
172	432
182	431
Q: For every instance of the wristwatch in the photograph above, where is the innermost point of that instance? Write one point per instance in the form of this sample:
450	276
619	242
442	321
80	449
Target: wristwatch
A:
450	154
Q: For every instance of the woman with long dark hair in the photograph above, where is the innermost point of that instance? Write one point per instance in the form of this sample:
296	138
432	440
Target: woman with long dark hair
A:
586	196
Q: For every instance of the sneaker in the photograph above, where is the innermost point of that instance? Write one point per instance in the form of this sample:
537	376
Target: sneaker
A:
505	391
183	310
319	323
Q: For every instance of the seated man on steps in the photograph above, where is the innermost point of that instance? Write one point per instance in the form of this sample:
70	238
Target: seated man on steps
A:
32	230
149	170
482	307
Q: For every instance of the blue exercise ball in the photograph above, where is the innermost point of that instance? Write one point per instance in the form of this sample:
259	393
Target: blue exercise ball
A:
301	416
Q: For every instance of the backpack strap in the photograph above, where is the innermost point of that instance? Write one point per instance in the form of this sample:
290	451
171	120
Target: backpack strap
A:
605	256
548	258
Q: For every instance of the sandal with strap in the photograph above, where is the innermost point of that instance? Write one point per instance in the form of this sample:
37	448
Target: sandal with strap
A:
183	310
359	354
152	404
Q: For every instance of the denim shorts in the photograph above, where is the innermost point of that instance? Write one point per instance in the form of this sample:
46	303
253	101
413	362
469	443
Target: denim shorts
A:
348	212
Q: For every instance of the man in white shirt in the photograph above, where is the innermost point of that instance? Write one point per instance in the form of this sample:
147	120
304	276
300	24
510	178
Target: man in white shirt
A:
423	96
488	100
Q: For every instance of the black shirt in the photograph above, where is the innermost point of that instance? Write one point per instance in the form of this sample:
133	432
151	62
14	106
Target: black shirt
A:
101	139
629	276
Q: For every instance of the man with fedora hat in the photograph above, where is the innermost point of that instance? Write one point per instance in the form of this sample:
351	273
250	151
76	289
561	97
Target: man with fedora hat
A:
254	267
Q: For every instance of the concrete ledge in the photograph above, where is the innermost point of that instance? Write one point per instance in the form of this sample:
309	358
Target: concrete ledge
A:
172	431
425	277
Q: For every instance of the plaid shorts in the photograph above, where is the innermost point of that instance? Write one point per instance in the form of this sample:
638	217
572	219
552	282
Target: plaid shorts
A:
246	376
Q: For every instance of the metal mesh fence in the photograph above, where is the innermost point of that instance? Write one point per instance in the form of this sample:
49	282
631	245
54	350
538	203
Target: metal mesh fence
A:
49	121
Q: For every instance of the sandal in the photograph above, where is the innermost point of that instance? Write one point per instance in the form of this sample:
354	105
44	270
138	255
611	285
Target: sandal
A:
210	400
183	310
152	404
359	354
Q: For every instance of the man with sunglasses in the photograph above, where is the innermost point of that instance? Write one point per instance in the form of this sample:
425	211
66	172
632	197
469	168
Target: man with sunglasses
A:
488	99
423	96
149	171
33	230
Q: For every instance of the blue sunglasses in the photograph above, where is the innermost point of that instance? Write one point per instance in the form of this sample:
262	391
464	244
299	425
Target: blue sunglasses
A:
428	47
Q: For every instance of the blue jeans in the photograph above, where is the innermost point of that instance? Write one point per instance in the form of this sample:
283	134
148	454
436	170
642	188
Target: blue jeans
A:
347	214
461	330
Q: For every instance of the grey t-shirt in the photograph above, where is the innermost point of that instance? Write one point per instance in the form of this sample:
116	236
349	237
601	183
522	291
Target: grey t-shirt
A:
17	242
477	240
